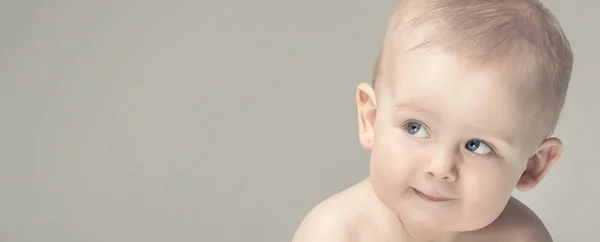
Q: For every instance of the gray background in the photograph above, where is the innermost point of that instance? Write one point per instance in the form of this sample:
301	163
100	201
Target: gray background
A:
219	120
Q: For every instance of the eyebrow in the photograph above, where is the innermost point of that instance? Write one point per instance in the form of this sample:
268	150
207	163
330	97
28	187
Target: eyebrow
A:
500	140
501	137
418	108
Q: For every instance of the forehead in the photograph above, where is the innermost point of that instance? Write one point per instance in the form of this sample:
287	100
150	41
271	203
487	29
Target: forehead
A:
442	73
458	91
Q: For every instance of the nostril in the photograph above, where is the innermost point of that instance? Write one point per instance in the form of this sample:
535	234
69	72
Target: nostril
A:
450	178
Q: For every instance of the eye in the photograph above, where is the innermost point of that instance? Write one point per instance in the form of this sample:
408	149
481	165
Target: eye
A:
478	147
416	129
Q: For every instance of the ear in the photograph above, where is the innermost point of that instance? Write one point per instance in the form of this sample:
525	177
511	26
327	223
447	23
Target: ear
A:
367	110
540	163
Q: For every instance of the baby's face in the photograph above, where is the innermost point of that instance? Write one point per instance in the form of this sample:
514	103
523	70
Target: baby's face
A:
450	141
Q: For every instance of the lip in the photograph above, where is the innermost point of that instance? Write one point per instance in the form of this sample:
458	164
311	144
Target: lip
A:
432	198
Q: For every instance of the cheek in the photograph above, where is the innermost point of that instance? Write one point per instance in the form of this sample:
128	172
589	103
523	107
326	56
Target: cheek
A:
390	169
486	191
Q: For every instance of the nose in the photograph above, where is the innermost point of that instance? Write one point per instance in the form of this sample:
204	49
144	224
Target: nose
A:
442	166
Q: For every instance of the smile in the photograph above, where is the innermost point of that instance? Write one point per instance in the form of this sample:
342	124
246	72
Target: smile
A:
432	198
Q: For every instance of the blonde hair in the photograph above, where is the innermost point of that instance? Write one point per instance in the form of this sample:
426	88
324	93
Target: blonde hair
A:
522	33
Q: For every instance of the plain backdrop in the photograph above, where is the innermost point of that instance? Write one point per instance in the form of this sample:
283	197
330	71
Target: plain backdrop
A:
220	120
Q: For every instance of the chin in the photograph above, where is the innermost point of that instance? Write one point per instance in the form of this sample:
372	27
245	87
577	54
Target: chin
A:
457	224
449	220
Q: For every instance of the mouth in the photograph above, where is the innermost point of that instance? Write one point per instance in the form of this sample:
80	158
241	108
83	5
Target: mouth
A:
432	198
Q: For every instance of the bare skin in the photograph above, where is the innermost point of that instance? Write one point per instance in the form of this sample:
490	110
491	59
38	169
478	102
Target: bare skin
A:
434	176
450	139
356	215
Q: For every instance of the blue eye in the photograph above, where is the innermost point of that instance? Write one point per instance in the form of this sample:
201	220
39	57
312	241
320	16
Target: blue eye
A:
416	129
478	147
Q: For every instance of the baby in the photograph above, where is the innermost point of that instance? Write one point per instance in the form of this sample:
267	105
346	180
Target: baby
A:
461	111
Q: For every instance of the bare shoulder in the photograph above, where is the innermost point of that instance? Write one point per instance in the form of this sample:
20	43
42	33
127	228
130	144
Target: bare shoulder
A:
520	224
332	220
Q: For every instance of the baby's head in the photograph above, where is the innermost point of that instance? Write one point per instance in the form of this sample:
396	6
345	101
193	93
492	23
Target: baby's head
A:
465	98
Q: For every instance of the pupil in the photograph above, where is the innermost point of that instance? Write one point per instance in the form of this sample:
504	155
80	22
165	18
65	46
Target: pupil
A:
473	145
413	128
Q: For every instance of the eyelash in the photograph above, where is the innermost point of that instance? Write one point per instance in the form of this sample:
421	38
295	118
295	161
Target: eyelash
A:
492	148
413	121
405	125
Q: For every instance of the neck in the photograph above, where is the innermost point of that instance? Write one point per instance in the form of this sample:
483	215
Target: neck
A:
414	233
402	229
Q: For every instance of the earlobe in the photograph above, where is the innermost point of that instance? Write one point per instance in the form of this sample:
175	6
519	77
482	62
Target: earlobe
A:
540	163
367	110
